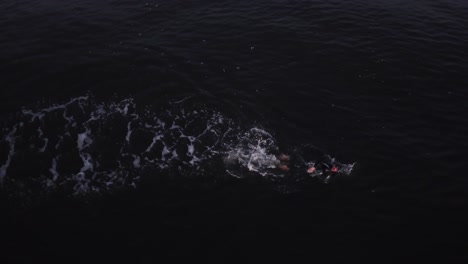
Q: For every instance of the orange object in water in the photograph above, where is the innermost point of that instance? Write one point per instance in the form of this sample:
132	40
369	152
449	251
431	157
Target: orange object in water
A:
311	170
334	169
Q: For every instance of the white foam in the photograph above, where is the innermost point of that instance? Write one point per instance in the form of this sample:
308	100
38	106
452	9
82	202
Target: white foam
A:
39	131
83	140
136	161
33	115
129	133
129	125
87	162
59	142
155	139
53	170
164	151
253	152
174	126
190	150
194	160
148	126
70	120
81	185
161	123
125	110
11	140
174	155
46	142
63	106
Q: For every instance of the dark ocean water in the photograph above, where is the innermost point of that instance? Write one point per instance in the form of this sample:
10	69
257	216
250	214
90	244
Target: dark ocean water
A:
379	83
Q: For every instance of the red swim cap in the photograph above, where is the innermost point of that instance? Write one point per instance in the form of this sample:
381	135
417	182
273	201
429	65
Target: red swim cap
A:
334	169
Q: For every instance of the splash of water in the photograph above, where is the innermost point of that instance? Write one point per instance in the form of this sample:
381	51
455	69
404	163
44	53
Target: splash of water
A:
253	151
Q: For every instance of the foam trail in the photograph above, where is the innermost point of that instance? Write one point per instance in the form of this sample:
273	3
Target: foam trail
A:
101	146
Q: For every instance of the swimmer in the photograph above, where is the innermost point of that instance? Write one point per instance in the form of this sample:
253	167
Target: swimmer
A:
326	168
324	165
